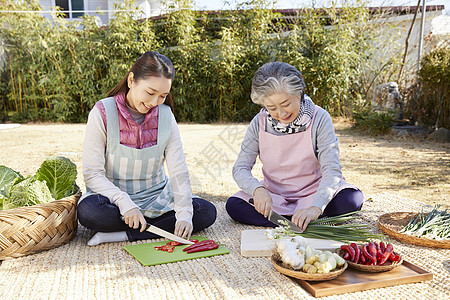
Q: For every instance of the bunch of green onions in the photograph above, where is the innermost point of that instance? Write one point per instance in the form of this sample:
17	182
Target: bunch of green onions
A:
434	225
338	229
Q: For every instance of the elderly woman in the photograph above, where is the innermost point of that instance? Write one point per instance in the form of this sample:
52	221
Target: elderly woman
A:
297	145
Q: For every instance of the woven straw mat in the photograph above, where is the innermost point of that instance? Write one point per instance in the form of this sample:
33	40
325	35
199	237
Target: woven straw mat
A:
76	271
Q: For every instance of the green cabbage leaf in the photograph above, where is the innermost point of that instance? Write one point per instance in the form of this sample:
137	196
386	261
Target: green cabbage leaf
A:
2	198
26	193
8	177
59	173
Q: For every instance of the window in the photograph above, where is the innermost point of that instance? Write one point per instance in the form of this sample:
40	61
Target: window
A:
71	6
77	5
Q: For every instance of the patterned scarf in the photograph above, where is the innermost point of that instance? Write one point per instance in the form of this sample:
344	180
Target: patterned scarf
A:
300	123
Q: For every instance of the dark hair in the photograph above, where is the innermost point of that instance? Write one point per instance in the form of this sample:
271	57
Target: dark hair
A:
275	77
151	63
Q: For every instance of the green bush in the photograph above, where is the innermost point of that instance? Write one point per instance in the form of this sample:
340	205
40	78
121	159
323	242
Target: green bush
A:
433	107
374	123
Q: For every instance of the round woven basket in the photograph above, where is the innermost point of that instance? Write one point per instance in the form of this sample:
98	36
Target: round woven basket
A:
305	276
32	229
387	266
392	223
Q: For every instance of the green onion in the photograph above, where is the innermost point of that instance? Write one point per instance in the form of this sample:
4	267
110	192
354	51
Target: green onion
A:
335	228
433	225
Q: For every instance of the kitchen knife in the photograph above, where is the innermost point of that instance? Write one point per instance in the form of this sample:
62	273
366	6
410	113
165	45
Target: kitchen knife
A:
280	220
163	233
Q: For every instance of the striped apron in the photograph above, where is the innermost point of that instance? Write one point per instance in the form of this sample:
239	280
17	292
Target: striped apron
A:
139	172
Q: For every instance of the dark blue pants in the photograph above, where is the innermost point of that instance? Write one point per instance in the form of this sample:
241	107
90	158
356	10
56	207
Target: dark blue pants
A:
345	201
96	212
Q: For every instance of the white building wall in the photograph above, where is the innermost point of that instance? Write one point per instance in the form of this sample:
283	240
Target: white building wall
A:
394	30
98	5
46	6
147	8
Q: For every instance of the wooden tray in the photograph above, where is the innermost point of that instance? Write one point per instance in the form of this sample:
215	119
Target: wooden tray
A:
354	281
392	223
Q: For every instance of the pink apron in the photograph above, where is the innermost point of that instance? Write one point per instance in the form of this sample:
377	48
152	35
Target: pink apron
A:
291	170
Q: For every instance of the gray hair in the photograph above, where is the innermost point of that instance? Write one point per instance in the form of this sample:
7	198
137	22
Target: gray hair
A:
276	77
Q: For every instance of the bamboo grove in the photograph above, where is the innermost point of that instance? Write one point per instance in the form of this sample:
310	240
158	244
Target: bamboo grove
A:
55	70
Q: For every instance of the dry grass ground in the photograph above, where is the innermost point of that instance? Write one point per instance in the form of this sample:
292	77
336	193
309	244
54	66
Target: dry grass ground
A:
409	167
406	168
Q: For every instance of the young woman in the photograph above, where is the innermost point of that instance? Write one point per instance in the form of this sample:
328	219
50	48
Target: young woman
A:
297	145
129	136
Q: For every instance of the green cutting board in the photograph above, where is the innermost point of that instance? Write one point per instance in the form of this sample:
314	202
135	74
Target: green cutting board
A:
147	255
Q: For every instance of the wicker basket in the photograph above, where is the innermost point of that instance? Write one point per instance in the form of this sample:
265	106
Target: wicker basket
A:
392	223
305	276
387	266
32	229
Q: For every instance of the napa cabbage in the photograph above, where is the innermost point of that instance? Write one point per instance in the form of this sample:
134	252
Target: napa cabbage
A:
54	180
27	192
7	177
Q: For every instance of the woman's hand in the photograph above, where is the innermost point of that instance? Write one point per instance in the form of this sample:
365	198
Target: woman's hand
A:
134	217
263	201
183	229
302	217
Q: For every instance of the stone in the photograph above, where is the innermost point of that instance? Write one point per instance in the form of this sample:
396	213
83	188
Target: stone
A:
387	97
440	135
408	130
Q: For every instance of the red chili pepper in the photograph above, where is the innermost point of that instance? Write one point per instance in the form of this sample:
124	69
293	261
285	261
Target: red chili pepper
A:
373	252
394	257
379	253
166	247
382	247
204	247
367	255
350	250
377	246
357	252
387	253
172	243
362	258
380	256
205	242
170	246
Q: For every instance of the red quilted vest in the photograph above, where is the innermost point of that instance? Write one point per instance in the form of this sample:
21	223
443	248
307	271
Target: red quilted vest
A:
131	133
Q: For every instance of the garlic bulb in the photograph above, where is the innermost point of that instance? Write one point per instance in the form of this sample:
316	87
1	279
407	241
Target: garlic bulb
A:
301	241
284	244
293	258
